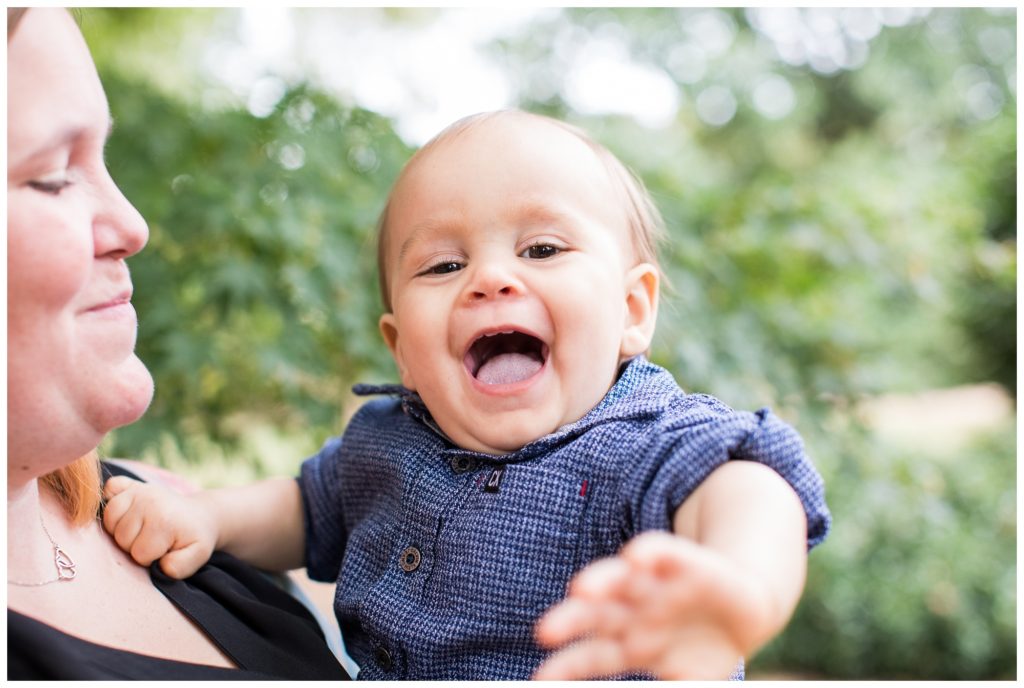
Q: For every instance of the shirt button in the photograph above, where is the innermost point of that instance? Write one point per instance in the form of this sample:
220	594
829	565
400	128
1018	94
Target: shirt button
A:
409	559
383	658
461	464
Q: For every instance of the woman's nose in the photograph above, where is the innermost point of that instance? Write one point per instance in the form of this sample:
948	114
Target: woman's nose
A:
119	230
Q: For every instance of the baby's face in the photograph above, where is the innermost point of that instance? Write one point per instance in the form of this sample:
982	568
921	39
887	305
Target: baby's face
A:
514	290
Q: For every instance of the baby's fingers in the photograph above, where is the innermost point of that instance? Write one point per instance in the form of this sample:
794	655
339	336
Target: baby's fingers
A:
663	554
134	522
119	501
605	578
573	618
589	593
151	544
182	563
121	520
591	658
117	485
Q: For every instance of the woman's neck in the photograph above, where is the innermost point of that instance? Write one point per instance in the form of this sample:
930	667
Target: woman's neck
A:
23	504
30	548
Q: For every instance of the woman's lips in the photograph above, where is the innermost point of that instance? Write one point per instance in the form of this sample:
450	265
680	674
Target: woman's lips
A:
122	298
118	306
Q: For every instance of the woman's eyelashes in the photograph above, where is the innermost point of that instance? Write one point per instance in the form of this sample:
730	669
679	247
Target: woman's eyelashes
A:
51	184
52	188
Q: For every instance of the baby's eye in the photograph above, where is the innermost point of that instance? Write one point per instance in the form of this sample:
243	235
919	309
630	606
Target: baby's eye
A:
540	251
443	268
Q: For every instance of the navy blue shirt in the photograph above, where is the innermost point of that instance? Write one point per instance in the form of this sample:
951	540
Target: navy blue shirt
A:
445	558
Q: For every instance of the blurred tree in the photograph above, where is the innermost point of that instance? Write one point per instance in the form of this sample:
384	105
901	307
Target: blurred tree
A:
164	48
917	579
256	292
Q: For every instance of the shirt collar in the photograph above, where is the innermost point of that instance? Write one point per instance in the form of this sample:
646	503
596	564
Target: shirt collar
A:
638	392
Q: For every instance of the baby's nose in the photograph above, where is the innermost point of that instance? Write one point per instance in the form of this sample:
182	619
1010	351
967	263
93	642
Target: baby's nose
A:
493	280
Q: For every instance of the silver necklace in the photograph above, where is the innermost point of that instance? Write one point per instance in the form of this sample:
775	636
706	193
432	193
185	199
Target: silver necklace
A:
65	566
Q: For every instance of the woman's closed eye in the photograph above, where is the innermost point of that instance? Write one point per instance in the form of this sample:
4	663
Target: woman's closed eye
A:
51	184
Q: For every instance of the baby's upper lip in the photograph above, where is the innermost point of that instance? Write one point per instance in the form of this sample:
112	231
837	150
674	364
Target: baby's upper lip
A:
500	329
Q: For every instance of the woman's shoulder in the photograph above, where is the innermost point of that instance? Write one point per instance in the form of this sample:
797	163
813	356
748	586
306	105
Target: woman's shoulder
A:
147	473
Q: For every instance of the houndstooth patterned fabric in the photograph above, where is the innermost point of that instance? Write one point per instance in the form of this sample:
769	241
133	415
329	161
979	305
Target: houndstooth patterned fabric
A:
442	576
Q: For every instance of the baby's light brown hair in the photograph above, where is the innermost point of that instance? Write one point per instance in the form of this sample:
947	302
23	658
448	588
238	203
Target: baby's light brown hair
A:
646	228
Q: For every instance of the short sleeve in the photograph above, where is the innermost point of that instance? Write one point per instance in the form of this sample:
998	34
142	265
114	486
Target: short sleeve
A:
320	485
778	446
699	435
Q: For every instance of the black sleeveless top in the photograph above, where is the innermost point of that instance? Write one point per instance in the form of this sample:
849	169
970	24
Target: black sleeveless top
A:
269	634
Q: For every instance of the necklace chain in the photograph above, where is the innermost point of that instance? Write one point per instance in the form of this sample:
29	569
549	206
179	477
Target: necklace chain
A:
66	567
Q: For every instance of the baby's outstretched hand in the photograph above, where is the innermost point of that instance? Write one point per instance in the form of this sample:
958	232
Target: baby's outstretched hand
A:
664	606
153	523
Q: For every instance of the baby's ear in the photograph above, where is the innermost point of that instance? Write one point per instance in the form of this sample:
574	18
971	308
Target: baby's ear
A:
641	310
389	330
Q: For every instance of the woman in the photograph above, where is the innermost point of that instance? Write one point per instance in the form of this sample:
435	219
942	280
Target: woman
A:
78	608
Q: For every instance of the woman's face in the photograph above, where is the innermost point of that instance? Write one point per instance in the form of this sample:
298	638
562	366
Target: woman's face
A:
72	374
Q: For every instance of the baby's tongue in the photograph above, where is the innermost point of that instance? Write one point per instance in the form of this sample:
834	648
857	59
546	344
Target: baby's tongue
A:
504	369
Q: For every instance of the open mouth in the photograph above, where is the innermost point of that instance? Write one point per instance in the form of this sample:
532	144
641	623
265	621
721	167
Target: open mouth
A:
504	358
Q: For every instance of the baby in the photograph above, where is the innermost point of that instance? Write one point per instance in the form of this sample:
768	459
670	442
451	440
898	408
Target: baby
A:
533	465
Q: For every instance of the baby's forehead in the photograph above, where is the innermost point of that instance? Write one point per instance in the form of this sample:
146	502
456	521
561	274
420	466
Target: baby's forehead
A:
515	138
505	122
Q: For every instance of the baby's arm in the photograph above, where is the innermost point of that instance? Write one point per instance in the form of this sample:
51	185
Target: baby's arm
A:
688	605
259	523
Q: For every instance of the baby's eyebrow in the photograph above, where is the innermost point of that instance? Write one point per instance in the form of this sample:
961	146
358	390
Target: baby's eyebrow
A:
422	231
539	212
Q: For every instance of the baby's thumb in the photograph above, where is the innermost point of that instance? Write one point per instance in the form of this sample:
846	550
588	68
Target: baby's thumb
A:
182	563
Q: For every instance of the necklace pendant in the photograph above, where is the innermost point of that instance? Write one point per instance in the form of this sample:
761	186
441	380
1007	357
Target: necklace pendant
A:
65	566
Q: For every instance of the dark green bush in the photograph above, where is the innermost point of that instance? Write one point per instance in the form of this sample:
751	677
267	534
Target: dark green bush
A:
916	580
257	291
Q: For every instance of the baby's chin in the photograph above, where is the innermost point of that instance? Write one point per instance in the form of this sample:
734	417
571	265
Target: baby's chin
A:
499	441
487	445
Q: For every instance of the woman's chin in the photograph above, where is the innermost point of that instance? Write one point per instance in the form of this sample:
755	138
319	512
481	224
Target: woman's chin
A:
127	398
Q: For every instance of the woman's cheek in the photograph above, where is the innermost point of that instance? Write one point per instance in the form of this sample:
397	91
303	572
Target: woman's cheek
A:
49	261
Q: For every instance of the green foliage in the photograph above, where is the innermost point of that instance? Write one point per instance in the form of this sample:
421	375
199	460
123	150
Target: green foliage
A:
917	579
256	292
865	242
159	46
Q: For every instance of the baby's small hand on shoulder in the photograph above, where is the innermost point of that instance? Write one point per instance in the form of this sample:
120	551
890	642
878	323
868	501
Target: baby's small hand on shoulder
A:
154	523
